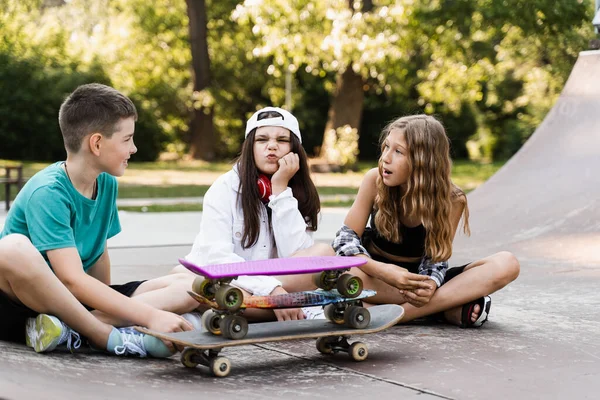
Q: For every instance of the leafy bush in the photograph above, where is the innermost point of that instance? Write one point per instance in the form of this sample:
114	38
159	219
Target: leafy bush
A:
29	127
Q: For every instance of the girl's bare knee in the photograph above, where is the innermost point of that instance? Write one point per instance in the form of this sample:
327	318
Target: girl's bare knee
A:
506	268
512	265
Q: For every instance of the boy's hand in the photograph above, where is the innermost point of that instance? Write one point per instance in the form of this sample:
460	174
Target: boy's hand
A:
166	322
420	297
286	314
288	166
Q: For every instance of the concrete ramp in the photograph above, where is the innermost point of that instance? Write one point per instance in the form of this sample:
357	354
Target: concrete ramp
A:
544	204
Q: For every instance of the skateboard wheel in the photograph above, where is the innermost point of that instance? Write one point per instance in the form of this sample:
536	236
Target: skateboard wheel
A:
334	313
220	366
324	346
357	317
187	357
204	288
234	327
211	322
317	279
349	285
358	351
323	280
229	298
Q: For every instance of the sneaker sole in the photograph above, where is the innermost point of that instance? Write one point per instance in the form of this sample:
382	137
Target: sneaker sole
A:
43	333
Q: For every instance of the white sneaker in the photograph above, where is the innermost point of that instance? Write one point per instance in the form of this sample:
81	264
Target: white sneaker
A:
316	312
46	332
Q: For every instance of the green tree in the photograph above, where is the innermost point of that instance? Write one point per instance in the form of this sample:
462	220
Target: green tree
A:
50	48
465	55
347	38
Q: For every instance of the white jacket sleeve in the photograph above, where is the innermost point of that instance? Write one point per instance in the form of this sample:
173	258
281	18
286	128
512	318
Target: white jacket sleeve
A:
214	243
289	227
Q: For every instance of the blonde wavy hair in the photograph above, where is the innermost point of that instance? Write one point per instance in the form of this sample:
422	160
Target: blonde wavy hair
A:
429	193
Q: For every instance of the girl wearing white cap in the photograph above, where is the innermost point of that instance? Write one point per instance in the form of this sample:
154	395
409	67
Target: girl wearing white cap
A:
266	207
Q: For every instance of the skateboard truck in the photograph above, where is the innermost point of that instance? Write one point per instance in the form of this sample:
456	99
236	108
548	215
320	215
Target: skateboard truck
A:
230	326
351	314
219	366
226	296
332	344
347	284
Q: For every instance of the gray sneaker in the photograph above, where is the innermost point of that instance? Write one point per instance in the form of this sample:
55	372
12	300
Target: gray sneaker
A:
45	332
128	341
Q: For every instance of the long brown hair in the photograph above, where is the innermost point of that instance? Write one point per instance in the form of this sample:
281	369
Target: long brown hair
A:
430	193
302	186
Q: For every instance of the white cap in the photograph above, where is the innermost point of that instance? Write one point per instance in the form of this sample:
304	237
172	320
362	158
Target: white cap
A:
288	121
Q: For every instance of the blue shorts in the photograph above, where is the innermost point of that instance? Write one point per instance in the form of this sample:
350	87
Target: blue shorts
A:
14	315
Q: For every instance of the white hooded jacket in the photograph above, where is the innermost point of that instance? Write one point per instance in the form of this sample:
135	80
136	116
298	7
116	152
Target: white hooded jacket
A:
221	229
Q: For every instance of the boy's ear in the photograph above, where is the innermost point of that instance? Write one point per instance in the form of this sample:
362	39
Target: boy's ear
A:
95	143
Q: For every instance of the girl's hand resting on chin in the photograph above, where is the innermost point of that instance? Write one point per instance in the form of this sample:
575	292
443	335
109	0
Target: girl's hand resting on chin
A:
288	166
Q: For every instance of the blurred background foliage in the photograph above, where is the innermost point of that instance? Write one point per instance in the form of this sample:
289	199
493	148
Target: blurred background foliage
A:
489	69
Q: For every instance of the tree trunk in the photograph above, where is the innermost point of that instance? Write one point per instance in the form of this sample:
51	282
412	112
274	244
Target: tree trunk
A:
202	131
348	99
347	105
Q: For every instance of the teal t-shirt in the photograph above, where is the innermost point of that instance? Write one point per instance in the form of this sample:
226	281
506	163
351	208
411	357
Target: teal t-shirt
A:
54	215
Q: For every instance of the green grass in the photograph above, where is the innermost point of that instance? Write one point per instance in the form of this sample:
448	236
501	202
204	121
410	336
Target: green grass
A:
466	174
198	207
127	191
186	166
163	208
345	203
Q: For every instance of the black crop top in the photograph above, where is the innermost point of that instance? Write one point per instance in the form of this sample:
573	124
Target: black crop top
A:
413	240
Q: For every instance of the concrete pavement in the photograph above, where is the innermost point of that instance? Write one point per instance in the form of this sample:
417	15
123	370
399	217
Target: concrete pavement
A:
541	341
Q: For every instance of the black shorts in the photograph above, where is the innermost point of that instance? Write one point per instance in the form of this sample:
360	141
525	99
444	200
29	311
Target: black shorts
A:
14	315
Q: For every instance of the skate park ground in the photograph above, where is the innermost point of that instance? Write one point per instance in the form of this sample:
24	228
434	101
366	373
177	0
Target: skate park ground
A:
541	340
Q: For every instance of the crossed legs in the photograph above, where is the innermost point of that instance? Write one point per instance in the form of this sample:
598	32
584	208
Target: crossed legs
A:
26	278
480	278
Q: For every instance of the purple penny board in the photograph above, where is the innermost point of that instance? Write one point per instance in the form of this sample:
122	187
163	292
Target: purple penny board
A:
276	266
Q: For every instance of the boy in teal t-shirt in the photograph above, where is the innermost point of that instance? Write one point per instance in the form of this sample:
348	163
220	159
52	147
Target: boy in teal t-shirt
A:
53	254
53	214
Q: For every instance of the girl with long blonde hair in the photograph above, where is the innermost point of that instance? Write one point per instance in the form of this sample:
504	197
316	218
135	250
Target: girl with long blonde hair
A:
414	211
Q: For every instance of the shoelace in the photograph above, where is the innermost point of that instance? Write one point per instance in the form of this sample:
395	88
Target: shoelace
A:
67	335
313	312
133	342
